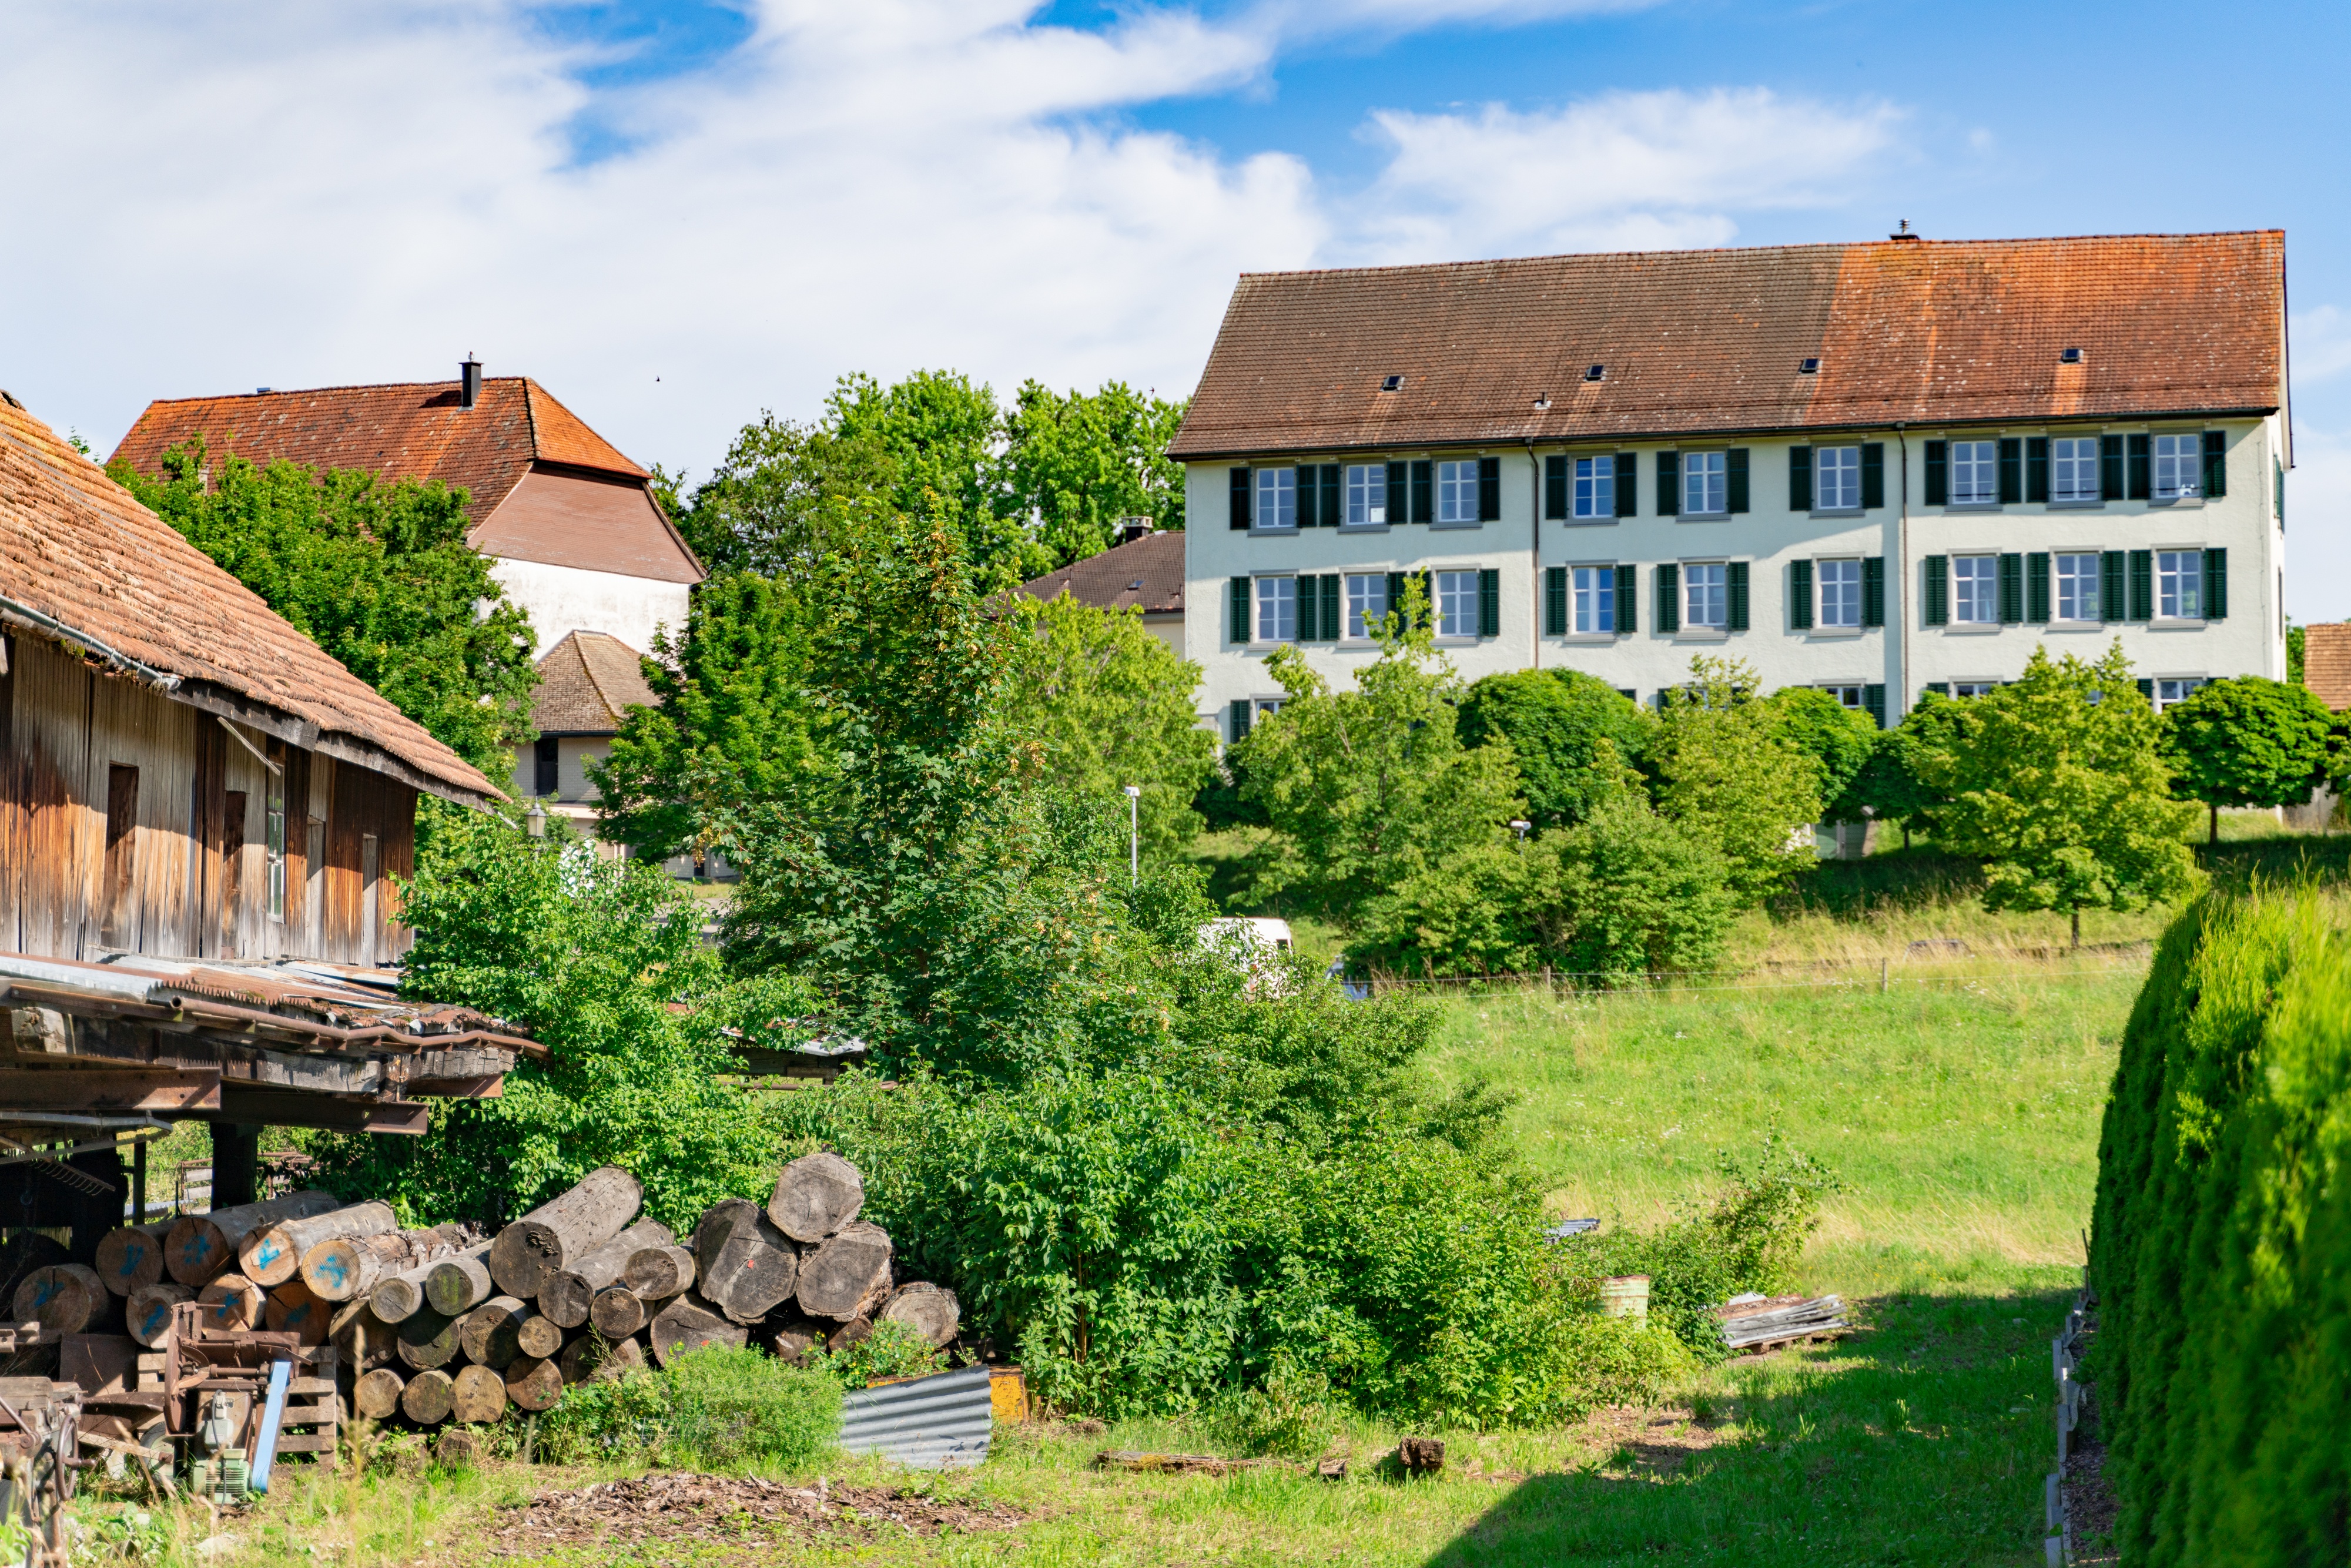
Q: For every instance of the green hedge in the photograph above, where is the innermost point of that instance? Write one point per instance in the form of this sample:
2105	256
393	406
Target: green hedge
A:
2221	1254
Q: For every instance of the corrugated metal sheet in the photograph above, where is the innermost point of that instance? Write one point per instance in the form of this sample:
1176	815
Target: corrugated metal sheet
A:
932	1423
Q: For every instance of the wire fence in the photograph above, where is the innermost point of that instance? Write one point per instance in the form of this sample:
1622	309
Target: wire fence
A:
1883	975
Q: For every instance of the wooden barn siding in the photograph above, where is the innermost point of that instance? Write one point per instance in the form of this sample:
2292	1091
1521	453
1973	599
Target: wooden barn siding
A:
198	877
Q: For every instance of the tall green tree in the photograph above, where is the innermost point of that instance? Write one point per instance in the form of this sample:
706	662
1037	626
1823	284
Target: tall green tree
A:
2058	783
943	438
1889	785
378	575
774	502
1557	722
1839	740
1107	703
1078	462
2247	741
1720	763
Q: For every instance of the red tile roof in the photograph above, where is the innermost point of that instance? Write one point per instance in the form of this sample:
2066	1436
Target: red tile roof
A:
77	549
587	684
1148	571
2327	662
1713	341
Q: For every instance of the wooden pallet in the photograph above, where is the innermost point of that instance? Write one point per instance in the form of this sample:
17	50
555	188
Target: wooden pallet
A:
1810	1337
312	1421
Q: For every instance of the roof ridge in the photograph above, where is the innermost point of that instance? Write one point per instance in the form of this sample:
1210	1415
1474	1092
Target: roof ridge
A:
340	386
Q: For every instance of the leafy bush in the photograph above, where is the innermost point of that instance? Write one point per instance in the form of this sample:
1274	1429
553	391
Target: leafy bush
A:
1837	739
892	1350
1630	892
1291	1418
730	1407
613	1420
1722	765
1557	723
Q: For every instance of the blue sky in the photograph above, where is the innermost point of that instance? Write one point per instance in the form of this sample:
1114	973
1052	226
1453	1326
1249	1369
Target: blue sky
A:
675	215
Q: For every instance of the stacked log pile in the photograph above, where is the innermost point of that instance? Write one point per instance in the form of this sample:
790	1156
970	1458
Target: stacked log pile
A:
439	1325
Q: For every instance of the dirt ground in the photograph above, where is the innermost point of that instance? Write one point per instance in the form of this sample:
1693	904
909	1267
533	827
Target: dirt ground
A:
730	1510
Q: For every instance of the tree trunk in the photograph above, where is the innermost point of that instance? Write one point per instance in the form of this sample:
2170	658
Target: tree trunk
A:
428	1339
376	1396
202	1246
63	1298
570	1291
687	1323
591	1359
815	1196
491	1333
292	1309
793	1341
478	1396
274	1255
366	1341
841	1278
345	1268
2077	928
617	1313
2215	838
658	1273
748	1267
132	1257
538	1337
232	1304
533	1382
149	1310
552	1237
455	1286
429	1397
929	1311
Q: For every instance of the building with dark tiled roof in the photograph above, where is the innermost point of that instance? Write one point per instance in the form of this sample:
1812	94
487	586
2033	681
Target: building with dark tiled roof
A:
587	684
1147	573
1881	469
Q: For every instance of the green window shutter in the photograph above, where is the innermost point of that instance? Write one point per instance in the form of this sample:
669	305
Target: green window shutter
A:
1799	478
1938	571
2146	688
2110	468
1555	489
1236	721
1334	494
2278	479
1872	701
1428	597
1424	490
1489	603
1800	594
1240	498
1628	486
2011	589
1628	600
2036	468
1734	575
1334	615
1938	473
1236	598
1489	489
2142	585
1872	591
2036	588
2216	464
1735	470
2011	470
1399	483
1555	601
1873	474
1396	593
2142	467
1302	496
1670	593
1938	688
1669	487
2216	585
2112	606
1309	610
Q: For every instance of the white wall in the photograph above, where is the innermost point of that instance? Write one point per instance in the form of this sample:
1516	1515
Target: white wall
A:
571	753
566	599
1767	537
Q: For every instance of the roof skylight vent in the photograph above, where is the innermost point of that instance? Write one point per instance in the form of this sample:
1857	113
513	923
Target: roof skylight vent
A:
1809	367
1595	373
1543	400
2070	356
1393	383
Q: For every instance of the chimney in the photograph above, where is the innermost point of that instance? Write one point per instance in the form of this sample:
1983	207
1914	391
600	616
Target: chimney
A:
1904	233
469	382
1132	528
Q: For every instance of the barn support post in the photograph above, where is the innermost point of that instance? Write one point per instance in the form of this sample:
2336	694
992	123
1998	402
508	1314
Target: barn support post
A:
236	1164
92	1214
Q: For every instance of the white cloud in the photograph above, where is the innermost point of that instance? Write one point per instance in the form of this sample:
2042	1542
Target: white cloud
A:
2320	341
291	194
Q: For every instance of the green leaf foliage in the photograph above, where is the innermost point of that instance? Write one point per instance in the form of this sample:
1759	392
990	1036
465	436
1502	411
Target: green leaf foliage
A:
2247	742
771	505
1890	784
1555	721
1838	739
1722	765
1080	461
1629	893
378	575
1105	703
2221	1252
2056	782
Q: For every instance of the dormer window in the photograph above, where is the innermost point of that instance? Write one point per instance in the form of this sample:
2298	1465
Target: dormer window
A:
1595	373
1811	366
1393	383
2070	356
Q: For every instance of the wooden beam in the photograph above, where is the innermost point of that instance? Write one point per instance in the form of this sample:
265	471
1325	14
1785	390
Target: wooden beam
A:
292	1108
104	1090
488	1088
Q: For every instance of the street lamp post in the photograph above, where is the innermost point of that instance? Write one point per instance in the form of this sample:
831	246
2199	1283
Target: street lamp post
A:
1133	834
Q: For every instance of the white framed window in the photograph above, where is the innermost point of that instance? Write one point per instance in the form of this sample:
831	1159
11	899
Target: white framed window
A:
1974	688
1836	478
1277	497
1277	609
1706	483
1595	598
1367	601
2180	585
2074	468
1706	597
2077	587
1457	492
1595	487
1267	706
2179	466
1975	473
1840	592
1975	589
1456	597
1848	696
273	844
1367	494
2170	689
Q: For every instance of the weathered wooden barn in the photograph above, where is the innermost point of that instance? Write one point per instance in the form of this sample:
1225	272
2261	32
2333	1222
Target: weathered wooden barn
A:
202	819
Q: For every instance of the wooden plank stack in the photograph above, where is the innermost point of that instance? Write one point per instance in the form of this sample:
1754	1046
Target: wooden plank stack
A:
1756	1325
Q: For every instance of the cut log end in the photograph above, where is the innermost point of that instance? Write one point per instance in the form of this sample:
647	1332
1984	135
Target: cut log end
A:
478	1396
429	1397
539	1336
232	1303
848	1274
558	1233
533	1382
64	1299
687	1324
816	1196
149	1314
455	1286
929	1309
617	1313
376	1394
658	1273
132	1257
490	1334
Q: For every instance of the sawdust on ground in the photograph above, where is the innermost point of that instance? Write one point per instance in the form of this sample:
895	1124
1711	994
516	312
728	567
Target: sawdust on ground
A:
733	1510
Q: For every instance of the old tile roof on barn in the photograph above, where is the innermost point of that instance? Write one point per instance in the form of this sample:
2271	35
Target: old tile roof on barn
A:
2327	662
1147	572
75	548
1700	342
587	684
